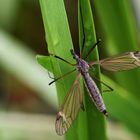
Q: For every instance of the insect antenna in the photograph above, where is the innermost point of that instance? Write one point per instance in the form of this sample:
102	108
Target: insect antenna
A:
84	38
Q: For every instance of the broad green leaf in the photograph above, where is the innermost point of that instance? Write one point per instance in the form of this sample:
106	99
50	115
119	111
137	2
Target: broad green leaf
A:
122	106
59	43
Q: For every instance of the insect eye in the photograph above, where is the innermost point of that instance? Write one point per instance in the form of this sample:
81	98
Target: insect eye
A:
73	57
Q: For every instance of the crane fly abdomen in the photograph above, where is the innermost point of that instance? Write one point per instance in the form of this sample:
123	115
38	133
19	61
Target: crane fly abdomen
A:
94	93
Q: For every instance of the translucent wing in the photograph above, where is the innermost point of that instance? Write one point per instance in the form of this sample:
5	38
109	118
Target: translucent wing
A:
126	61
70	108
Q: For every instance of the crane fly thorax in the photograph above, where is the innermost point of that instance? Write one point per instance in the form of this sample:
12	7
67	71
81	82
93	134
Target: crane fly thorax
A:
82	66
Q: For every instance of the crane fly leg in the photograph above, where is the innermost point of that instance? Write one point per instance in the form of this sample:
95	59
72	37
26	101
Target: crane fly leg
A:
56	79
60	58
110	89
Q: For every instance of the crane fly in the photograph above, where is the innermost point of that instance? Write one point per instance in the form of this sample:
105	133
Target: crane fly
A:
73	100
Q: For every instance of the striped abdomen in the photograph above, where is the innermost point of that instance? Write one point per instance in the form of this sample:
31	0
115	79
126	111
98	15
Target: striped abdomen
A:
94	93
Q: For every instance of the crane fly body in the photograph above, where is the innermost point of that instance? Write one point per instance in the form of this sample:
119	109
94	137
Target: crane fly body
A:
74	100
83	68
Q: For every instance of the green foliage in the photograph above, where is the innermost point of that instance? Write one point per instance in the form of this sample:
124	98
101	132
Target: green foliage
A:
89	124
119	30
59	42
93	115
121	36
45	62
122	105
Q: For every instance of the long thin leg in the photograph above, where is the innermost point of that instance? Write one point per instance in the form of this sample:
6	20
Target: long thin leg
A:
109	88
91	49
56	79
84	38
62	59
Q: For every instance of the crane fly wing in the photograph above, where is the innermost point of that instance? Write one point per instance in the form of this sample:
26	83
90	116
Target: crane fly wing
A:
70	108
125	61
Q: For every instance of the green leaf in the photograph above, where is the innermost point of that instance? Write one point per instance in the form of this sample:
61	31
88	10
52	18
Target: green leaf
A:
118	27
89	124
45	62
122	106
93	115
59	43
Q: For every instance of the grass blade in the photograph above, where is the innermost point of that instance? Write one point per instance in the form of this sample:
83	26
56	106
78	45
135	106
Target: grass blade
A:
122	105
95	120
120	32
89	124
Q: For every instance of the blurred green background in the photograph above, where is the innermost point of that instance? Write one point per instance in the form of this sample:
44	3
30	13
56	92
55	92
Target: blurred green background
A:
28	105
